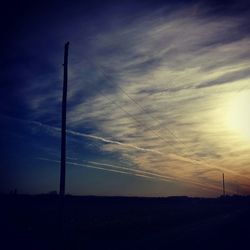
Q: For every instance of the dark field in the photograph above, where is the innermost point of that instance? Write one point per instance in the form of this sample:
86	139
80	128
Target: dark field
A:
34	222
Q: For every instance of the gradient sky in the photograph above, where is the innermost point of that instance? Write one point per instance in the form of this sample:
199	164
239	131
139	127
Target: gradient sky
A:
158	97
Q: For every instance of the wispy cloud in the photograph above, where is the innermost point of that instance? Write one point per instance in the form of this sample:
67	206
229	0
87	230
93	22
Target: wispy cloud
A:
182	68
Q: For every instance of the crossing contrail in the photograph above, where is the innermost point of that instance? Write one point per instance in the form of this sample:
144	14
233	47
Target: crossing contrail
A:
169	178
160	176
129	145
143	175
100	168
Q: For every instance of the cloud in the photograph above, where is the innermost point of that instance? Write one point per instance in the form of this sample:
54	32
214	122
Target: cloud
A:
227	78
160	83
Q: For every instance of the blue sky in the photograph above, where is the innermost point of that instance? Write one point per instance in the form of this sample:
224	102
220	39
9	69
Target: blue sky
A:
157	97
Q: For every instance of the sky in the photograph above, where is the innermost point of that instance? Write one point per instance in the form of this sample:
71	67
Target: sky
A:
158	97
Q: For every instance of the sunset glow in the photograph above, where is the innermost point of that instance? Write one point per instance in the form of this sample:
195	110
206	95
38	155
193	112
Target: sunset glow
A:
240	115
158	99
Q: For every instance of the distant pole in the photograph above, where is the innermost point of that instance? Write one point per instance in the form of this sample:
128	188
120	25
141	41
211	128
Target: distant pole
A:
63	127
223	184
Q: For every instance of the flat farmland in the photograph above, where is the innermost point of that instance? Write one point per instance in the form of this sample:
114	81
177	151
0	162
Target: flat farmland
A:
37	222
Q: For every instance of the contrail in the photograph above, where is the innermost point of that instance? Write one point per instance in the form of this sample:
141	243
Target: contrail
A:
100	168
99	138
110	170
157	176
160	177
57	129
178	157
169	178
113	142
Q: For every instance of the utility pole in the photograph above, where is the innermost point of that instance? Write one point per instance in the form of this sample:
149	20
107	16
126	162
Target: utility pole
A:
63	126
223	184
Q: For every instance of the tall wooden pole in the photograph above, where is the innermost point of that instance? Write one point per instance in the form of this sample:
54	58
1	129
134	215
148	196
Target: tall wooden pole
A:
63	128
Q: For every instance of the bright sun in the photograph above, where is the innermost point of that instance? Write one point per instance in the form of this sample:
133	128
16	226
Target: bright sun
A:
239	114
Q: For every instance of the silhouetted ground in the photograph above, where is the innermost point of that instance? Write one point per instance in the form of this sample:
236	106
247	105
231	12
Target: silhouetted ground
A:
33	222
